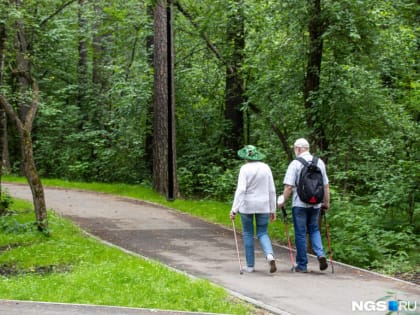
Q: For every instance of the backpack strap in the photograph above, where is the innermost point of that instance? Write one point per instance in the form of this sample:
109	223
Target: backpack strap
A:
302	160
305	163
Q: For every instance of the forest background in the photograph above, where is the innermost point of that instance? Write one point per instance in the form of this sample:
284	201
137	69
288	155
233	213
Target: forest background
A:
79	84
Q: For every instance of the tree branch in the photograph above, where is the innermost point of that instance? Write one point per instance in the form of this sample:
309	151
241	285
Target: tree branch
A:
205	37
133	53
11	112
30	116
59	9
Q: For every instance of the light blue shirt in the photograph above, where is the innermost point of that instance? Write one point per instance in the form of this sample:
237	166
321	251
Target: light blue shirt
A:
255	192
292	176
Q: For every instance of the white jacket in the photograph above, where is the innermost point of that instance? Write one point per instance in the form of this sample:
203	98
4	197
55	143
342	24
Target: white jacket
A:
255	192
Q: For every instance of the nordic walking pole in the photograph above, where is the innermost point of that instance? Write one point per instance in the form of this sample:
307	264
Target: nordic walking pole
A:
292	260
237	248
283	210
328	239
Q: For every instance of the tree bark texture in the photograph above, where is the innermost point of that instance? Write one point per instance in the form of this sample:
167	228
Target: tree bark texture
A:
3	130
24	128
164	149
234	97
34	181
313	73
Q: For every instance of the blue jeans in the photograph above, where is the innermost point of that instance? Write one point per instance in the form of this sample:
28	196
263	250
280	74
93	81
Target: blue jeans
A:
261	222
305	220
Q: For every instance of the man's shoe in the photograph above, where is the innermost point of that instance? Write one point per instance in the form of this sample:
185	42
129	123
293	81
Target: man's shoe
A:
297	269
322	263
272	263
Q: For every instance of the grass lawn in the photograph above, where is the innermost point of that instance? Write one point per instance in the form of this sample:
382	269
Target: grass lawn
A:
70	267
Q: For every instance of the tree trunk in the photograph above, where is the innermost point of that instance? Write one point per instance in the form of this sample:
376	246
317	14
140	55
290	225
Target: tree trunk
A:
34	181
2	50
5	155
98	48
164	153
28	162
24	121
234	97
100	62
3	131
313	74
83	61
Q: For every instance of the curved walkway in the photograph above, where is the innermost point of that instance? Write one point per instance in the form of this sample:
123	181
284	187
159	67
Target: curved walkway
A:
206	250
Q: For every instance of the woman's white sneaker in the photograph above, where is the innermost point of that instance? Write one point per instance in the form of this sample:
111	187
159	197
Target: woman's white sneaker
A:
272	263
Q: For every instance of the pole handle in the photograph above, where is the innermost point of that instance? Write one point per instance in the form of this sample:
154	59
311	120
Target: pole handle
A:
283	211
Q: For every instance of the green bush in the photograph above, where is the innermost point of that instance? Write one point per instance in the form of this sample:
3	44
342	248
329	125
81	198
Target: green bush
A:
364	236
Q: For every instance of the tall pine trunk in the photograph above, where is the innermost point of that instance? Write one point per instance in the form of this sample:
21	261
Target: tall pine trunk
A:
234	98
164	153
313	74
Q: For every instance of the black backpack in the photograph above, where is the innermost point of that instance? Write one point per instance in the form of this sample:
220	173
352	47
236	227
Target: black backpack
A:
310	187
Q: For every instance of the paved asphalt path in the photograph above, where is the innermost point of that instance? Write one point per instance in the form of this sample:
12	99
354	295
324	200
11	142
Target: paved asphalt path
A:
208	251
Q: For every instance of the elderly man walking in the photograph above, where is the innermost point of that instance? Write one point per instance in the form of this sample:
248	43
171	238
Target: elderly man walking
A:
305	215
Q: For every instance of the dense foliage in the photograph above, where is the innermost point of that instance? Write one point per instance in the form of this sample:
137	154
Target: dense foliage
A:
98	128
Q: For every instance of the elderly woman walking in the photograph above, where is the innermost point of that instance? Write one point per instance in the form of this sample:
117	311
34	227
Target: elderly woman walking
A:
255	198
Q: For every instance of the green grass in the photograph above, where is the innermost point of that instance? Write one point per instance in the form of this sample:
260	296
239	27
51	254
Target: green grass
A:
70	267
